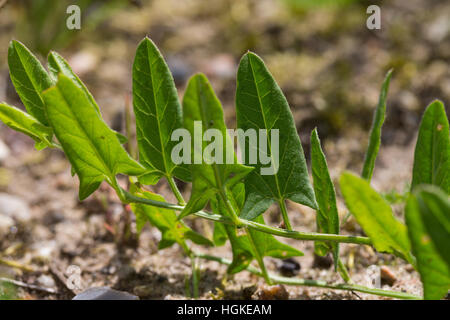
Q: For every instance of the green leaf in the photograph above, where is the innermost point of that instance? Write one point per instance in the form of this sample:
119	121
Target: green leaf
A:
220	236
21	121
202	111
375	216
434	207
434	272
92	148
375	131
265	243
327	216
260	104
29	78
57	65
158	114
172	230
432	154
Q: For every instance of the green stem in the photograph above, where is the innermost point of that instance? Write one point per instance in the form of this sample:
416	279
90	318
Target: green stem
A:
176	191
237	221
284	213
258	257
317	283
195	279
343	271
129	198
193	258
306	235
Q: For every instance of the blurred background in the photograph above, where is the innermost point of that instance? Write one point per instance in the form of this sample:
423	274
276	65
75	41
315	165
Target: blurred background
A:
329	65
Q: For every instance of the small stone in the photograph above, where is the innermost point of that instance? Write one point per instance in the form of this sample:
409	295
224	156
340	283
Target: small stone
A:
324	262
289	267
104	293
15	208
46	281
248	291
387	277
277	292
44	250
4	151
6	223
143	291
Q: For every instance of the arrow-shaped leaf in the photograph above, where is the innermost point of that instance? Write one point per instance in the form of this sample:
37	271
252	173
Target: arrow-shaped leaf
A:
375	216
202	111
260	104
57	65
92	148
158	114
432	154
433	270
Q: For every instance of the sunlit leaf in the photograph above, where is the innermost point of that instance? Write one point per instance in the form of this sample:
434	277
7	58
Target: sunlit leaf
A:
158	114
375	216
433	270
92	148
260	104
432	154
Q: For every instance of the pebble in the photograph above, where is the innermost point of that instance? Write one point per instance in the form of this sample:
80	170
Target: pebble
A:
289	267
4	151
46	281
387	276
104	293
277	292
322	262
15	208
6	223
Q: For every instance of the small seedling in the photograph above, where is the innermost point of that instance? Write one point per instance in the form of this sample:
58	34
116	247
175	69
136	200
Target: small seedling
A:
62	114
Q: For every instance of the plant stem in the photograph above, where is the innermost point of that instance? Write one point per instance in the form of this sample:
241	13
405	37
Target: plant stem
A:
306	235
317	283
176	191
193	258
195	280
129	198
284	213
237	221
258	257
343	271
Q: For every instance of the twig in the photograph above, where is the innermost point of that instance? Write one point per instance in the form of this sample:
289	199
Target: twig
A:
61	279
17	265
29	286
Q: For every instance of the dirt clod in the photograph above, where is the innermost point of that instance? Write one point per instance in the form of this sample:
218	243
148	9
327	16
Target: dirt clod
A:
277	292
387	276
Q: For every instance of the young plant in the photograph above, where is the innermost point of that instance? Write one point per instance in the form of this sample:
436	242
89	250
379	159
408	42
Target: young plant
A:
63	114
